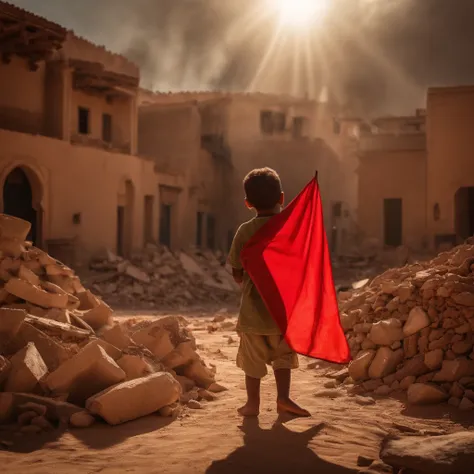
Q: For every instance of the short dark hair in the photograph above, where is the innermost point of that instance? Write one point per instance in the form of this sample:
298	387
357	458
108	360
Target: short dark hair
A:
262	188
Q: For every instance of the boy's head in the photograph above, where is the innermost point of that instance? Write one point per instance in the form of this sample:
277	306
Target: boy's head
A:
263	189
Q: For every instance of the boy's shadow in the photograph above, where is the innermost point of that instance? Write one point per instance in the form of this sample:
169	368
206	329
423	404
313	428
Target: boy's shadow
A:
274	451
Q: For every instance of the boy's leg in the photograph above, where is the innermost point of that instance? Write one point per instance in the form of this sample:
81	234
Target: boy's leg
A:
285	360
251	359
252	407
284	402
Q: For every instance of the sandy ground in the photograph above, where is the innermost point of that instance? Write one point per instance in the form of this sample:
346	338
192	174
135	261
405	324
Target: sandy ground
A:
216	440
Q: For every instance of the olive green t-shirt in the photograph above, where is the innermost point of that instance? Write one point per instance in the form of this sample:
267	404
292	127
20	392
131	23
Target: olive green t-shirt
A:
254	317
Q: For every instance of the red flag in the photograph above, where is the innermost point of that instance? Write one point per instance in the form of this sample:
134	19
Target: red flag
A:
288	261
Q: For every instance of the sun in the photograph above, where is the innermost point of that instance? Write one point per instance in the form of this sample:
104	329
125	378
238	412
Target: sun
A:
300	12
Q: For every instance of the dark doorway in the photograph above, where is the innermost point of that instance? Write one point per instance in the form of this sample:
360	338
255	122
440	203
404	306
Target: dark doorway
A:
148	219
392	222
165	225
18	201
199	228
107	128
121	230
464	213
211	232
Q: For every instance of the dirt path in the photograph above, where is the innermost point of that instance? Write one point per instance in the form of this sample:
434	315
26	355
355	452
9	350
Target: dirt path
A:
216	440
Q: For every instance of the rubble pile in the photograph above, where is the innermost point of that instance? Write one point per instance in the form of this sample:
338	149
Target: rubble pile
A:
156	276
64	360
412	329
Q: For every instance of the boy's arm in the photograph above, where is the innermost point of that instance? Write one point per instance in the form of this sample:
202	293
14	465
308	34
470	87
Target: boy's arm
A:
234	257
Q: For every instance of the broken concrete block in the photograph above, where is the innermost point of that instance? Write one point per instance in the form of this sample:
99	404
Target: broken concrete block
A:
184	354
464	299
52	353
117	337
11	247
217	388
198	372
386	332
27	369
111	350
13	227
417	320
137	274
67	332
134	366
5	366
98	316
434	359
159	342
385	362
56	314
194	405
426	394
11	321
88	372
28	292
81	419
454	370
43	423
359	367
26	417
87	300
26	274
135	398
466	404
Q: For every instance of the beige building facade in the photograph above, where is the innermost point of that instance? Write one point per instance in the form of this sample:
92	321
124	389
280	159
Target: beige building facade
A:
94	162
416	175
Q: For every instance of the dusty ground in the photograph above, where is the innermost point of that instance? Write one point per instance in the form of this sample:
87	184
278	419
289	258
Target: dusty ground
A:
216	440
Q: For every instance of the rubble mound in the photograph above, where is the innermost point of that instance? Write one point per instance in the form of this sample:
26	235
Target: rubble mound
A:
412	329
156	276
63	359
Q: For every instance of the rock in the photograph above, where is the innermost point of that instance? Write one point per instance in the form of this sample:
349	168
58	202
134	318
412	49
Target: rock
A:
417	320
137	274
198	372
456	390
11	321
99	316
466	404
206	395
364	401
27	369
194	404
39	409
410	346
447	454
216	388
87	300
28	292
30	429
135	398
453	370
462	347
88	372
184	354
26	417
434	359
166	412
328	394
426	394
385	333
455	402
13	228
43	423
407	381
348	321
81	419
134	366
26	274
158	342
385	362
464	299
383	390
362	461
117	337
111	350
5	366
359	368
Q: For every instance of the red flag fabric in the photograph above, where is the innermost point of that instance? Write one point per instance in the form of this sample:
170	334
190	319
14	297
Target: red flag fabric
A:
289	263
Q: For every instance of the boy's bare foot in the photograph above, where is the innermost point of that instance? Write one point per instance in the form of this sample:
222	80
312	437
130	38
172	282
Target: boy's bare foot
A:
249	409
290	407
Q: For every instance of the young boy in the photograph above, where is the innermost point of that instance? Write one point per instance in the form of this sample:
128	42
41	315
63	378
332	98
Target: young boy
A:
261	341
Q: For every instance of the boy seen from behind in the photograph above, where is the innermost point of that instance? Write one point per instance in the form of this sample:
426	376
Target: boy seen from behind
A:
261	341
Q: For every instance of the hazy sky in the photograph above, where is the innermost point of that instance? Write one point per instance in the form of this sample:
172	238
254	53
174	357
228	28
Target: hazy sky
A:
377	56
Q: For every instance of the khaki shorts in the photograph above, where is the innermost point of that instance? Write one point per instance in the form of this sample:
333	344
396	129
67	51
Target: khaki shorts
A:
256	352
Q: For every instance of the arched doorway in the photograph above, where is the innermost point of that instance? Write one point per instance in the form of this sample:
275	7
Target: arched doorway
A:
18	201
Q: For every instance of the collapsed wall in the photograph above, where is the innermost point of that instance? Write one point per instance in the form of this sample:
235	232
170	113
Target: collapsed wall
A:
64	359
412	329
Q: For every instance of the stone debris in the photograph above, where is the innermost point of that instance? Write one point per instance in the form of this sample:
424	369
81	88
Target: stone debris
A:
63	358
412	329
446	454
157	275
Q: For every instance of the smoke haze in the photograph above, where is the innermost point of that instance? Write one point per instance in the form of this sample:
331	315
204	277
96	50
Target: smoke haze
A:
375	56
